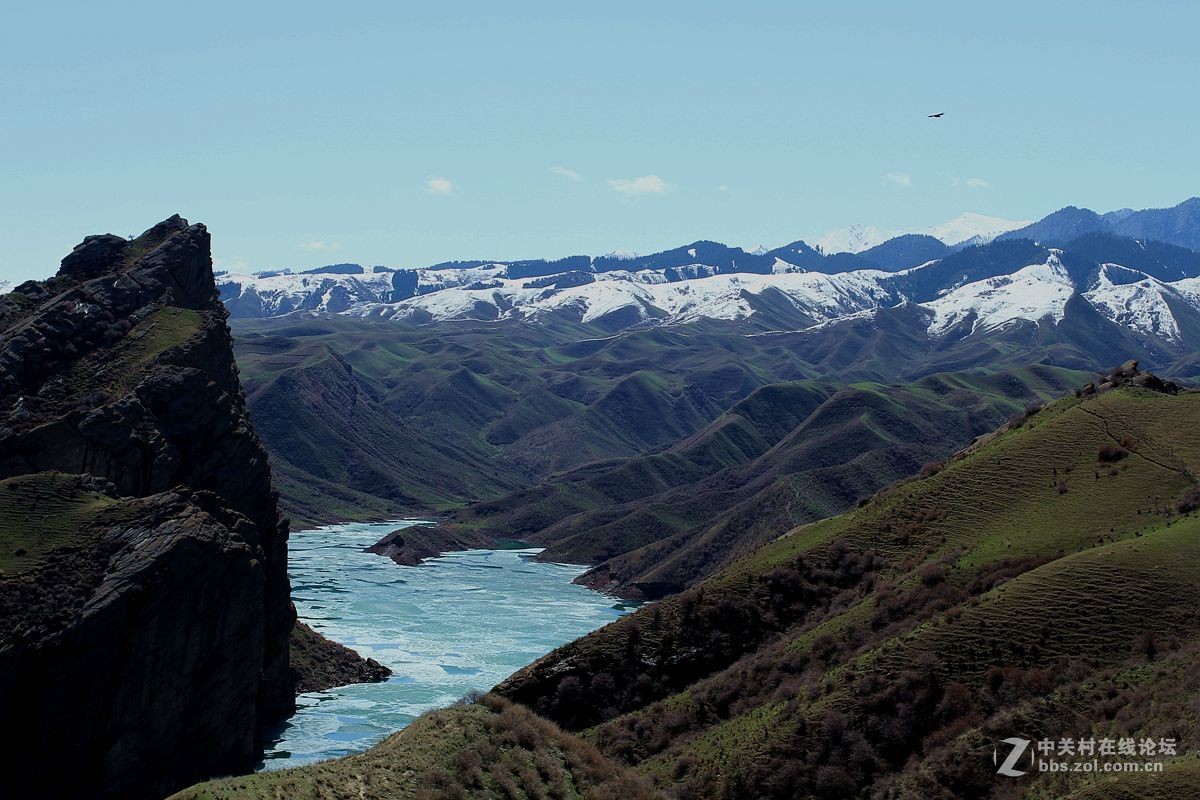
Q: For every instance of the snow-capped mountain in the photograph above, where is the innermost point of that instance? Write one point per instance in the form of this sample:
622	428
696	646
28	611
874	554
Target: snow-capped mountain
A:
272	294
649	298
1144	304
975	292
964	230
1036	292
853	239
972	229
1148	289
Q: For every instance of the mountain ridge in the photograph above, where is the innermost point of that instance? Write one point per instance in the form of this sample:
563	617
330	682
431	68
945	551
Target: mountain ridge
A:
338	287
794	287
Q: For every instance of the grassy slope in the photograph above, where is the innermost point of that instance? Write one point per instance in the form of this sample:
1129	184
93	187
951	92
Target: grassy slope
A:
40	514
1178	781
475	412
786	455
487	749
853	654
861	439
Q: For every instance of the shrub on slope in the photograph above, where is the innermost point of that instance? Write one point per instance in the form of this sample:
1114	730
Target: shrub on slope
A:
484	749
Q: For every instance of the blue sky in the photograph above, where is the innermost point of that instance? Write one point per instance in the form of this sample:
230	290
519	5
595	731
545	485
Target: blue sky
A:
383	133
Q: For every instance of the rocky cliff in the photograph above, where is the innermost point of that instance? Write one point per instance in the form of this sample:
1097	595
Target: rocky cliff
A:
145	610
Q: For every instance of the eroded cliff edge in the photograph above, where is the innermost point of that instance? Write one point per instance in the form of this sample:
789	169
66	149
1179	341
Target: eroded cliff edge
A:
145	610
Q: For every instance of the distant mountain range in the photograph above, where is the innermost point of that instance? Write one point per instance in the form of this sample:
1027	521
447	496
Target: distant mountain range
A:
1178	225
1138	269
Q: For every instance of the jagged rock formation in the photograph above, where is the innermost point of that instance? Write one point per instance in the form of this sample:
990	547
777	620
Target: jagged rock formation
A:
145	611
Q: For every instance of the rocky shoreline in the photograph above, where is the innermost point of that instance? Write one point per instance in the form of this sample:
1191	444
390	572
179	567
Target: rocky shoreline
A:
319	664
410	546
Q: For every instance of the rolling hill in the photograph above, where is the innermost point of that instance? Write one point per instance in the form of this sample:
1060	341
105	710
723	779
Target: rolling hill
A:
925	623
1041	583
476	412
787	454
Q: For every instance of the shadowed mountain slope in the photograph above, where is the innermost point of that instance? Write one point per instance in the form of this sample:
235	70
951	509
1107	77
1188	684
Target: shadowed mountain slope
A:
787	454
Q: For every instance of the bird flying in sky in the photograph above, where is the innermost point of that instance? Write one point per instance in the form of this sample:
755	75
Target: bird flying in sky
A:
937	115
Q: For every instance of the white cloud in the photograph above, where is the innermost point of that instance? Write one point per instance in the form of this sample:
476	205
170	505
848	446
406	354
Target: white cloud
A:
321	246
635	187
439	186
978	183
722	188
899	178
567	172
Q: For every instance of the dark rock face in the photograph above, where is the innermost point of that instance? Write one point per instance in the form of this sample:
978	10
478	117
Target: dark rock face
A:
175	652
153	679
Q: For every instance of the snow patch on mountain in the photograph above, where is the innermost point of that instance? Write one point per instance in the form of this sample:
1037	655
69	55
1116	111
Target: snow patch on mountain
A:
972	229
852	239
1037	292
726	297
435	280
781	267
271	294
1142	305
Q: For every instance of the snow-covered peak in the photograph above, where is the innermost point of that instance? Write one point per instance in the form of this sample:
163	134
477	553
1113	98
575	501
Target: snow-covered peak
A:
274	293
852	239
973	228
1037	292
968	228
623	253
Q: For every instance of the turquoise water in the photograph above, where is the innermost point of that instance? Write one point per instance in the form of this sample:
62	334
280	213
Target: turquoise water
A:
456	623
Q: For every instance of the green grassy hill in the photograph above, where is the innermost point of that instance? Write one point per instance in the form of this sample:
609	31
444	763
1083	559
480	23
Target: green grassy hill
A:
888	649
786	455
366	419
482	409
